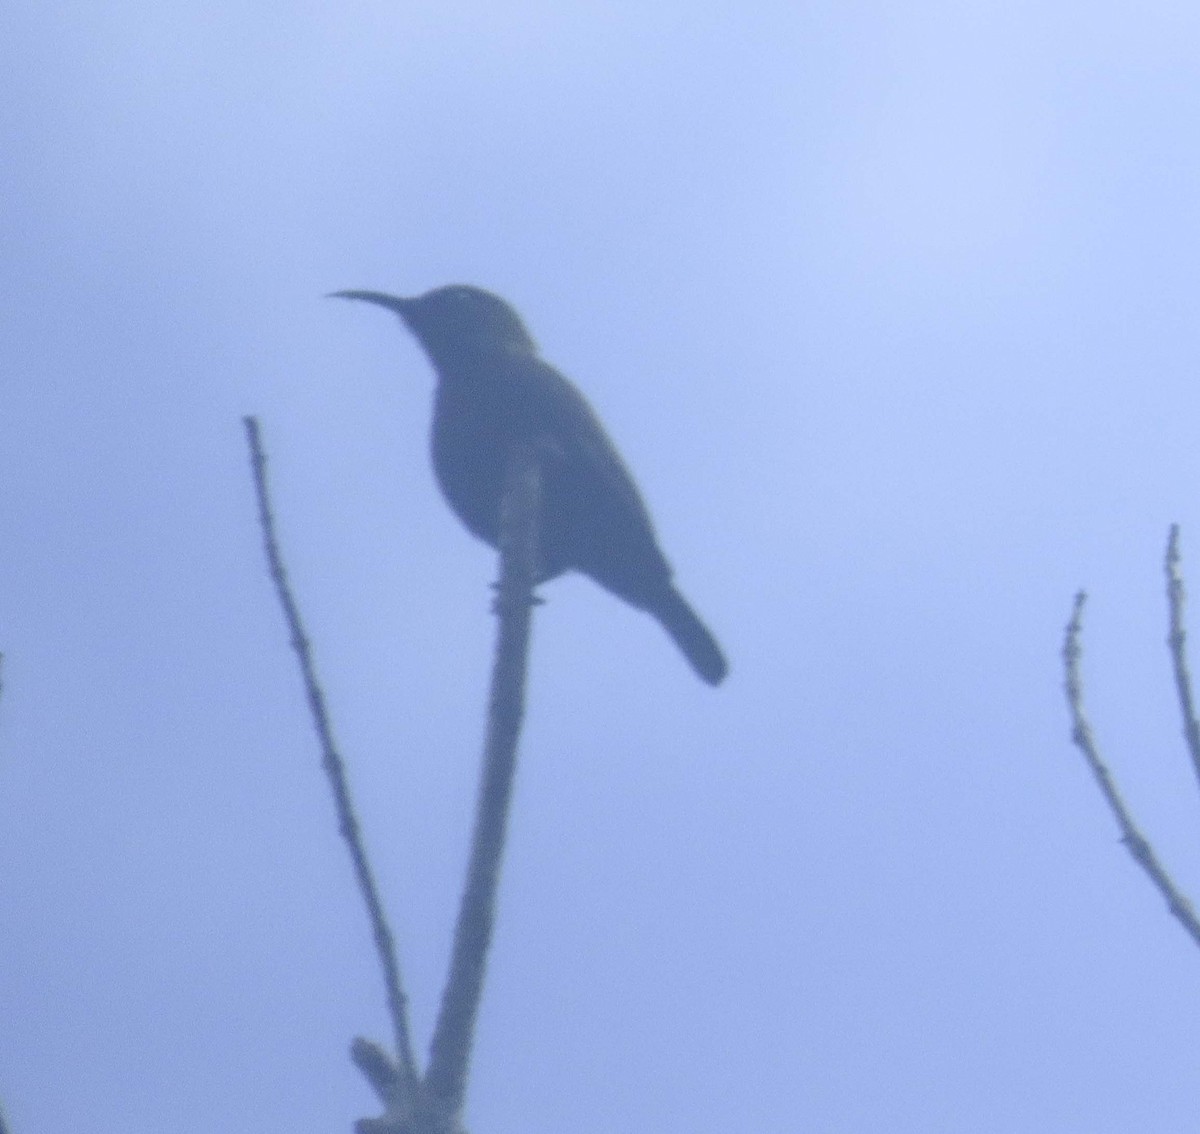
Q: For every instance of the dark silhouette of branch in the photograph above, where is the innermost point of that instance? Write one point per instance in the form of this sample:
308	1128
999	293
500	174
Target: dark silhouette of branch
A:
437	1106
1084	738
453	1035
335	770
1177	640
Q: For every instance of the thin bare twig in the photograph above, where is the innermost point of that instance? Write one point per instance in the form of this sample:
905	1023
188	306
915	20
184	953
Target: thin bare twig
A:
334	768
450	1050
1083	737
1177	640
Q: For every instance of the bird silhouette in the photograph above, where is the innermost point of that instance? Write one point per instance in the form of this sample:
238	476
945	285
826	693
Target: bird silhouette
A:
494	391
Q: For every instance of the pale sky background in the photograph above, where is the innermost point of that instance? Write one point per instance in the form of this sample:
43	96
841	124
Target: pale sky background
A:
893	310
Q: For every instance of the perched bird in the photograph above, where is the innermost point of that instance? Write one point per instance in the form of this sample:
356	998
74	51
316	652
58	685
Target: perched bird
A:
494	390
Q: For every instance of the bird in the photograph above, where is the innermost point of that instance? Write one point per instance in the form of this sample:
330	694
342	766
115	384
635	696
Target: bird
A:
494	391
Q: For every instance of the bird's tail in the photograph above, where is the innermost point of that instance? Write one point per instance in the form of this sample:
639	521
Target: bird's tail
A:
691	636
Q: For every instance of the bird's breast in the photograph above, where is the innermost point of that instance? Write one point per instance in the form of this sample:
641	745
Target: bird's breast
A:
469	443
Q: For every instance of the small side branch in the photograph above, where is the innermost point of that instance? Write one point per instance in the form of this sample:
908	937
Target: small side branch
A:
1084	738
1177	640
450	1050
334	768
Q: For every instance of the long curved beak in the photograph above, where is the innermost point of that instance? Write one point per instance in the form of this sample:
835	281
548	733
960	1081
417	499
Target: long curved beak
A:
381	298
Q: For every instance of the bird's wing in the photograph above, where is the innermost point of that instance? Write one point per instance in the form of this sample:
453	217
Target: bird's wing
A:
594	502
568	430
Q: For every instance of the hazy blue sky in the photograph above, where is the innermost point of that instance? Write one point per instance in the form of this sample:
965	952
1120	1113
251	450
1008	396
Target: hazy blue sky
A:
893	310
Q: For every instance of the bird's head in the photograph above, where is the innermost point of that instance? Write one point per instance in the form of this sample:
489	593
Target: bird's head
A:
456	323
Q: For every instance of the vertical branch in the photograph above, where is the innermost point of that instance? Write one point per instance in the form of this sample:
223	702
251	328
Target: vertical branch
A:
1177	640
332	762
1133	839
450	1050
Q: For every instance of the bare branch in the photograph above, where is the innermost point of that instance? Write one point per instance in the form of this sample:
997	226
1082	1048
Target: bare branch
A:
450	1050
1177	640
1083	737
334	768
